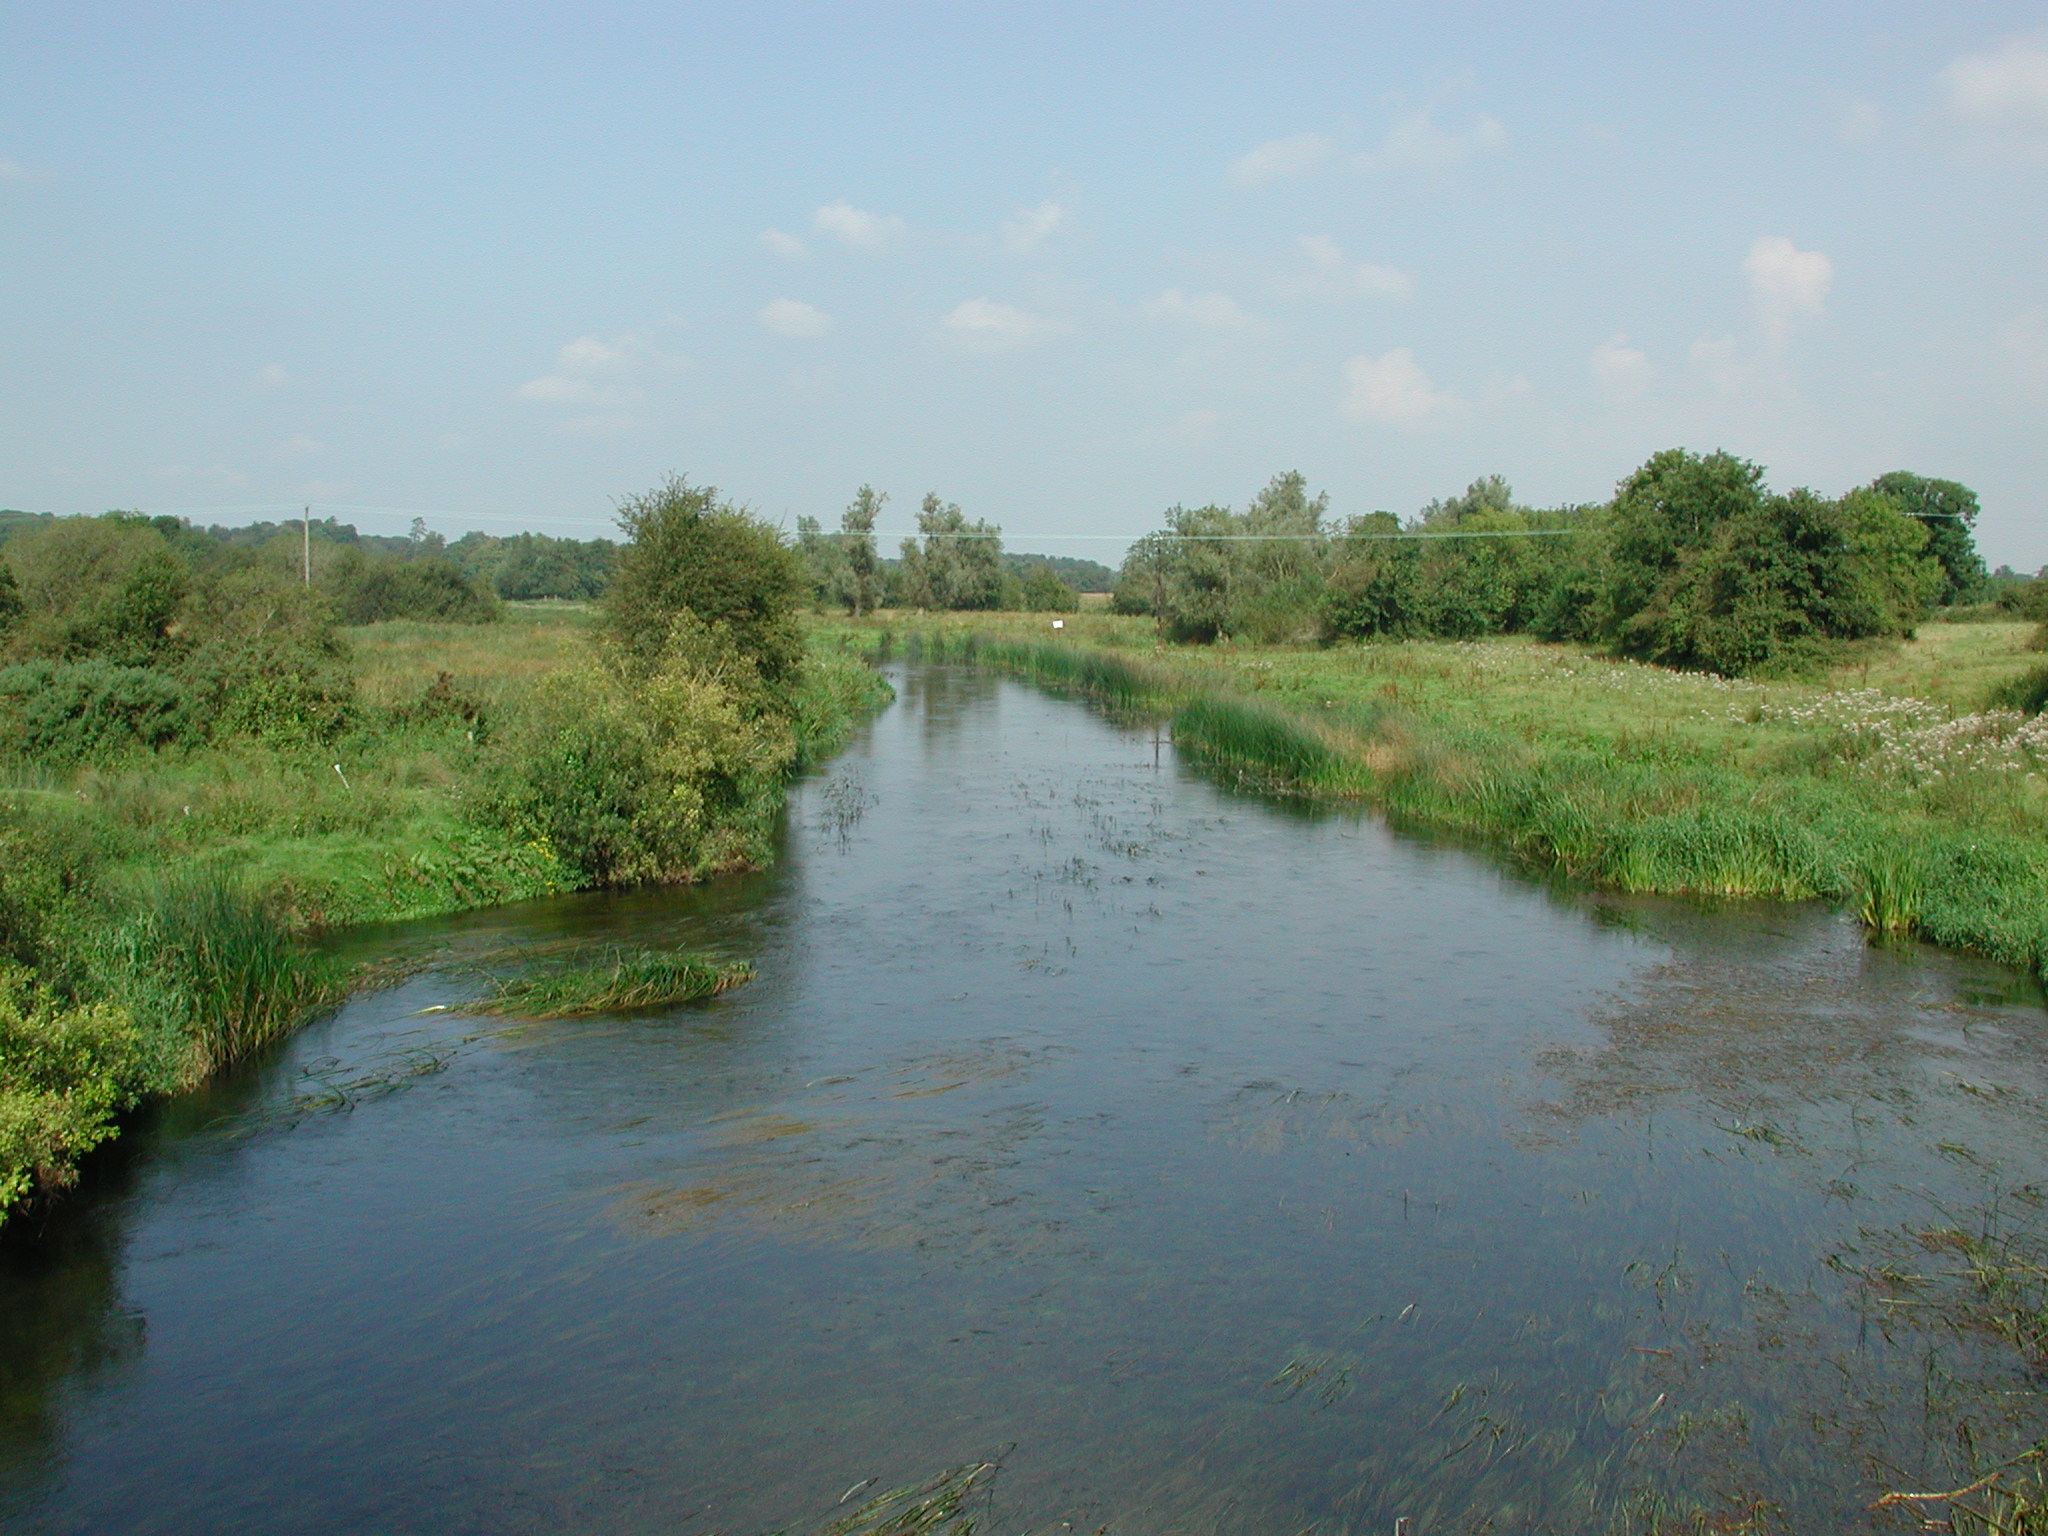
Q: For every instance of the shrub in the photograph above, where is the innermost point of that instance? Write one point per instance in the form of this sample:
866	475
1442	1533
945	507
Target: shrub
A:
66	1070
107	587
65	711
644	775
425	587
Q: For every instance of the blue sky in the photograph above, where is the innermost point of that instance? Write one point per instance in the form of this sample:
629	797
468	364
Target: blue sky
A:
1065	265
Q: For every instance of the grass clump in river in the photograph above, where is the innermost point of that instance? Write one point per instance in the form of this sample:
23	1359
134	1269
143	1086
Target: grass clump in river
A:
614	981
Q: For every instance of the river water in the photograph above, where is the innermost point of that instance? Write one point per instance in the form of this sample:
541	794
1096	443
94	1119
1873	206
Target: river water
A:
1197	1163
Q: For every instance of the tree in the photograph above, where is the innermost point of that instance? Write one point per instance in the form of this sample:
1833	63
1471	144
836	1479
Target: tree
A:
689	553
109	587
960	564
1949	511
1044	592
823	561
1663	515
862	572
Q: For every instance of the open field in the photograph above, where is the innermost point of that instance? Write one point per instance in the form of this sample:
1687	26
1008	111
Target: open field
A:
1885	787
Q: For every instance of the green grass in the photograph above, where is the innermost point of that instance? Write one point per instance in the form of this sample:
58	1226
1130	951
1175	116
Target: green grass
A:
157	909
1882	789
614	981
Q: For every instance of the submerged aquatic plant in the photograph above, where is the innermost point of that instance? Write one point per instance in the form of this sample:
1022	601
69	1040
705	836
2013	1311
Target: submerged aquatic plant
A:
615	980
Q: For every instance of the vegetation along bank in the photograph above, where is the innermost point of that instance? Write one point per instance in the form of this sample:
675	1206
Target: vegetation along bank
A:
207	758
1700	687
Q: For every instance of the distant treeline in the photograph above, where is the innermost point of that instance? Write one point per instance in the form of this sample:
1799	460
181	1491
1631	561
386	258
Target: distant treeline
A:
1694	563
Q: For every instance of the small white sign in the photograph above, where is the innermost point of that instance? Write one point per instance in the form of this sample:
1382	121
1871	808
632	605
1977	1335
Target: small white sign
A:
1059	623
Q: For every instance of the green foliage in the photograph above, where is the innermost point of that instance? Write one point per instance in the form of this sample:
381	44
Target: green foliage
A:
2027	693
10	602
615	981
1706	569
1078	574
958	566
860	570
65	711
528	567
1212	573
373	591
107	587
1949	513
66	1070
690	552
1044	592
648	771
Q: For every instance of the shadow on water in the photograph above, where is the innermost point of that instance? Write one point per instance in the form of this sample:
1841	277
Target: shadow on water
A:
1153	1157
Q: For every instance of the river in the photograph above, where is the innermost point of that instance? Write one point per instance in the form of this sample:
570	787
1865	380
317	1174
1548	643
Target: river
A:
1171	1159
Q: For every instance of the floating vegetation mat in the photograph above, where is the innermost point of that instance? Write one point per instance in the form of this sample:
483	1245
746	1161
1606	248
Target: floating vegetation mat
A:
613	980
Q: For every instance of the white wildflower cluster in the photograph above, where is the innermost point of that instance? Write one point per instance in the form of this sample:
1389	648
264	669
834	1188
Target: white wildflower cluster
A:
1919	740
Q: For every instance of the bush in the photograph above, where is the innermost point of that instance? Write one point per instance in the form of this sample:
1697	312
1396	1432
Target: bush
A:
691	552
66	711
66	1070
106	587
427	587
644	775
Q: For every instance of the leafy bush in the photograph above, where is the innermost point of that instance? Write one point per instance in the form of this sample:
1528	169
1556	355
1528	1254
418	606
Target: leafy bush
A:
106	587
66	1070
422	587
66	711
691	552
645	775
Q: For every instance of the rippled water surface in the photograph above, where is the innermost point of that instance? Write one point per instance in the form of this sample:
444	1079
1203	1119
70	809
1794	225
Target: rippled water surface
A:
1204	1164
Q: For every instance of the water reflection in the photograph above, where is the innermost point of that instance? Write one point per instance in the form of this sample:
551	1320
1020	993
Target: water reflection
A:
1204	1165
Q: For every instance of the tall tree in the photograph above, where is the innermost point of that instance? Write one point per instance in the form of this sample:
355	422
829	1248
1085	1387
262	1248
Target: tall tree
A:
1950	512
863	568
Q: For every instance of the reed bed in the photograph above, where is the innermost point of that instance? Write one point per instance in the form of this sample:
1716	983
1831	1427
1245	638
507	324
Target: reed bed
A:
614	980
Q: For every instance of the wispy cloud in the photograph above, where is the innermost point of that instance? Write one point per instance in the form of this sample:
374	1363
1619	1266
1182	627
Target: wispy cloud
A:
1033	228
1392	390
784	244
271	376
795	319
984	325
1209	311
1623	372
602	375
1332	274
1288	159
1416	143
2007	85
856	228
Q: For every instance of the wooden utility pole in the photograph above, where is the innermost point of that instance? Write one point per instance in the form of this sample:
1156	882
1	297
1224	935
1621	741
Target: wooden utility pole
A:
306	546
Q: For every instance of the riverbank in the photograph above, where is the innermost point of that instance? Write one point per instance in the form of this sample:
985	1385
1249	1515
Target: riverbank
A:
1887	788
154	905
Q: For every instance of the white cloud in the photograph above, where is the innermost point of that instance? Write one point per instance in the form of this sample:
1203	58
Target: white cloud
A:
604	373
1334	274
1392	390
856	227
1033	227
2009	85
784	245
983	325
272	376
1287	159
1417	144
1786	282
1620	369
1210	311
795	319
300	446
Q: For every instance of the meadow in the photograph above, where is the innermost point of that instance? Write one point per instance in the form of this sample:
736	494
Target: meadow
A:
1892	786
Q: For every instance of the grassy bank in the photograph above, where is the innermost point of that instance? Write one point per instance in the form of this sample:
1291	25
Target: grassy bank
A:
1887	788
155	903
